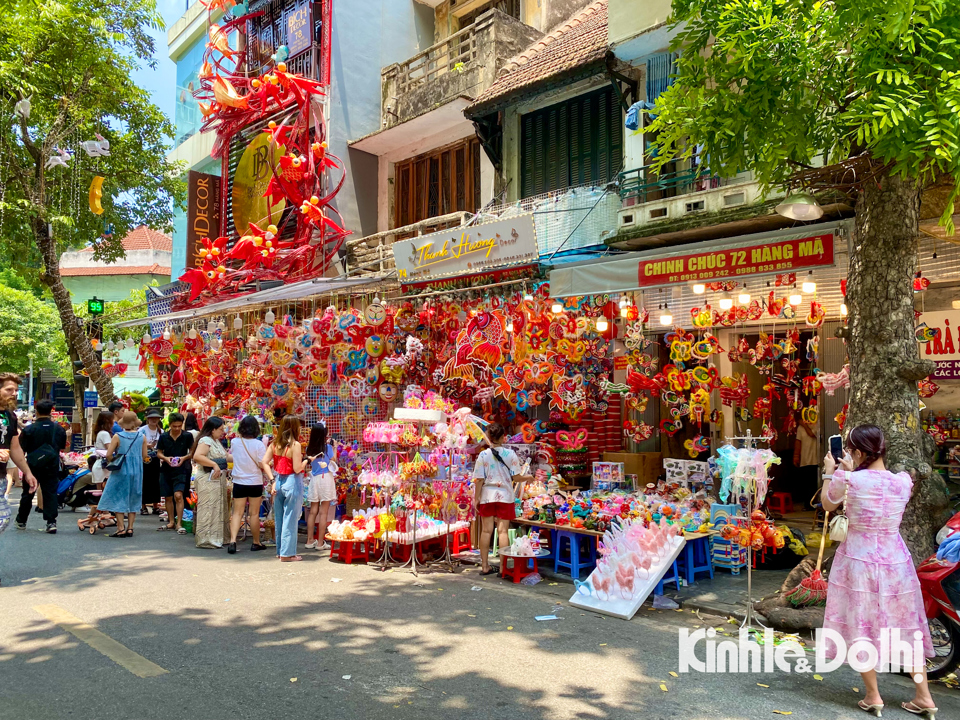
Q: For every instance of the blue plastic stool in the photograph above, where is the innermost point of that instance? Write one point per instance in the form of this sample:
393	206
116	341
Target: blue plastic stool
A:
673	578
576	564
696	558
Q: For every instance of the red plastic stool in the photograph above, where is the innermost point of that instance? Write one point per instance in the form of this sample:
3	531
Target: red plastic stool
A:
780	503
401	552
350	550
461	541
521	567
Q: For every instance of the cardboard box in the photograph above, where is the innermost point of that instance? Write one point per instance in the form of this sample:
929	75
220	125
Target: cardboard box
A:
646	466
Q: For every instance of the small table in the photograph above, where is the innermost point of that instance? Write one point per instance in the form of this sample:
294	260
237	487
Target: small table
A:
523	565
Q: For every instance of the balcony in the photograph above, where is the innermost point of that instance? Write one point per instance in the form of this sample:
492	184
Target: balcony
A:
426	94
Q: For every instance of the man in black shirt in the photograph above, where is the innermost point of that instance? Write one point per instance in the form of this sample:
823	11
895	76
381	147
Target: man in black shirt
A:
9	441
174	450
42	442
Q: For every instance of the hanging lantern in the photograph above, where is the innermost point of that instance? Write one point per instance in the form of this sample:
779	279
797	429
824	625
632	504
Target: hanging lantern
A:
130	343
166	334
193	333
269	318
238	323
146	338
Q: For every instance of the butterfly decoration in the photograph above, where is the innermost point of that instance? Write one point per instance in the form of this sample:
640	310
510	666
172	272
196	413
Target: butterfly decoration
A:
697	445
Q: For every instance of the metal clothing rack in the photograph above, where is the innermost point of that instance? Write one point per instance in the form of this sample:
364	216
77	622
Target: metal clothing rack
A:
749	442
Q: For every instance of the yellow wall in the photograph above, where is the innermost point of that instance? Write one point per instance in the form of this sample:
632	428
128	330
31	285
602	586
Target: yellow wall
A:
629	18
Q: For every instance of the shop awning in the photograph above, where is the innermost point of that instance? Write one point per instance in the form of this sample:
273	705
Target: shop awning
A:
594	277
293	291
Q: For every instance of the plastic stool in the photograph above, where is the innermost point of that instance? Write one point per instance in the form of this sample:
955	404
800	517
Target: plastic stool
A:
461	541
519	568
350	550
780	503
576	564
674	578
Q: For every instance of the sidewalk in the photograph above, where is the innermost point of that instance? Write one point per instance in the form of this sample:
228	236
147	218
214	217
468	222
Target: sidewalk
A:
726	594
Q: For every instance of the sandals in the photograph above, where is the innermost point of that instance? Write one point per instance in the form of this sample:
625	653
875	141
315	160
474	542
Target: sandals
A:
118	534
181	531
930	713
873	709
292	558
164	528
254	548
488	571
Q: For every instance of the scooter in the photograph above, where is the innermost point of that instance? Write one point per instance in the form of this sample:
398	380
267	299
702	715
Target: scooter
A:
940	585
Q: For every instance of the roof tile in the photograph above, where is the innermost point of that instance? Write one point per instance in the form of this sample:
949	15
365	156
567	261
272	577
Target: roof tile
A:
579	41
143	238
154	269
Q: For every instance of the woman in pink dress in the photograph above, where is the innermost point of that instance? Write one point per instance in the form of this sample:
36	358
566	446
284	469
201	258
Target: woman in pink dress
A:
873	585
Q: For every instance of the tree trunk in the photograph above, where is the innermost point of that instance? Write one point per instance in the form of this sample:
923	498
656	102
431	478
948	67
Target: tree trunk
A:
72	326
885	363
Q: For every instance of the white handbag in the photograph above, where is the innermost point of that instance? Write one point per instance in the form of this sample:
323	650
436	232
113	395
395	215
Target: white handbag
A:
838	526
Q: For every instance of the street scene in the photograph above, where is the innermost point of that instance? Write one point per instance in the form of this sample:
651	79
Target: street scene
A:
480	358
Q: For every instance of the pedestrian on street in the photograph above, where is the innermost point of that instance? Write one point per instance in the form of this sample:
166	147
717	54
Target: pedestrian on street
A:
41	442
211	459
286	454
322	490
873	584
249	471
175	449
124	490
117	408
103	434
151	470
191	425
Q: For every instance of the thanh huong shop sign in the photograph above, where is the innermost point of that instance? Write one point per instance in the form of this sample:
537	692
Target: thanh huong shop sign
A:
467	250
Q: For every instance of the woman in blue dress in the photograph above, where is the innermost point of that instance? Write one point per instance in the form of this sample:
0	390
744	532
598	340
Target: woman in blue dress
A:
124	488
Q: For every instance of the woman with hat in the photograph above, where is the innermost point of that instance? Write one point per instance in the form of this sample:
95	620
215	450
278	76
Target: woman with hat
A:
151	470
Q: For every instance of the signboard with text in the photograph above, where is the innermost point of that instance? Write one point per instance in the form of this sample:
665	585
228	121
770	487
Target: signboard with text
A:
467	250
776	256
299	32
203	213
944	350
91	399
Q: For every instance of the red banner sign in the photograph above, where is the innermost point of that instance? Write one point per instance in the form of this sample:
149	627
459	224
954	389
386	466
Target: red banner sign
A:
777	256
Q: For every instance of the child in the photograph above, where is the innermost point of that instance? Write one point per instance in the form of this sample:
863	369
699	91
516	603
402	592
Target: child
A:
322	491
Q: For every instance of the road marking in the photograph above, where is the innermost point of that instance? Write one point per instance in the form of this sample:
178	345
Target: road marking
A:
104	644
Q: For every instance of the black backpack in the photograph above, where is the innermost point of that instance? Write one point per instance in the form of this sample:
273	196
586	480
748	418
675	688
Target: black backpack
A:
46	458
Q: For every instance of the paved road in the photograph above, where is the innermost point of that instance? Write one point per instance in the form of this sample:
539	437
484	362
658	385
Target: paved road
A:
232	632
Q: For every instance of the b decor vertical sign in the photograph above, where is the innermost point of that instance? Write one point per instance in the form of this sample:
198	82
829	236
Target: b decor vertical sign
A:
299	30
203	213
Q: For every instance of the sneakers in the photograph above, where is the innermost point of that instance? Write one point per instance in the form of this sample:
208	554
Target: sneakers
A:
325	546
21	526
232	548
312	545
52	528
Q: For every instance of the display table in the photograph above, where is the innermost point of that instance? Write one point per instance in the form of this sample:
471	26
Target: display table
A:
523	565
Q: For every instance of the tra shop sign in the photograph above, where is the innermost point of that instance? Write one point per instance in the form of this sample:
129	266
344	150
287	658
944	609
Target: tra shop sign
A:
944	348
467	250
203	213
777	256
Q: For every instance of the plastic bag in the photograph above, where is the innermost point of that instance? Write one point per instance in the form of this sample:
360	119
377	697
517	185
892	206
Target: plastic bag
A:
531	579
662	602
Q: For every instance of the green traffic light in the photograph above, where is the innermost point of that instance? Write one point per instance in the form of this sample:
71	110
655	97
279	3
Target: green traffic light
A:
95	306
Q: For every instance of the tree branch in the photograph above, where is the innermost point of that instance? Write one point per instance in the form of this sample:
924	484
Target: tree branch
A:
916	370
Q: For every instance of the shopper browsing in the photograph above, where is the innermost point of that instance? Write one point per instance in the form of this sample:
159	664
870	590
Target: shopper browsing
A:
211	459
42	442
151	470
126	455
286	455
322	491
249	471
174	450
494	474
9	430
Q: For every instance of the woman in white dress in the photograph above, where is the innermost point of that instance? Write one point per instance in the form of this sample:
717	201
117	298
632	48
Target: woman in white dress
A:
103	434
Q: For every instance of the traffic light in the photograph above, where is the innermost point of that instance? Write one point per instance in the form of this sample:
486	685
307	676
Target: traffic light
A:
95	306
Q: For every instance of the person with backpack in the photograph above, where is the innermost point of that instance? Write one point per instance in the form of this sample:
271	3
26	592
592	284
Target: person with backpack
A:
42	441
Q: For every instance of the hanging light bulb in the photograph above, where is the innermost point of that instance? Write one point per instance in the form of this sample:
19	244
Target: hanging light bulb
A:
795	299
726	302
166	334
557	307
623	301
528	297
509	325
130	342
193	333
110	344
147	338
699	289
269	318
665	317
211	327
602	324
744	297
376	299
238	323
843	309
624	311
809	287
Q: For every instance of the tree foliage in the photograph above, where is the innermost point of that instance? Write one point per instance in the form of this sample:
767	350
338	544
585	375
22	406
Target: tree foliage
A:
73	60
769	85
30	328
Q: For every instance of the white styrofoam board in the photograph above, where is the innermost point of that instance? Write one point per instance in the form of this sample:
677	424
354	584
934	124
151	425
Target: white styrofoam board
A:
626	609
419	415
